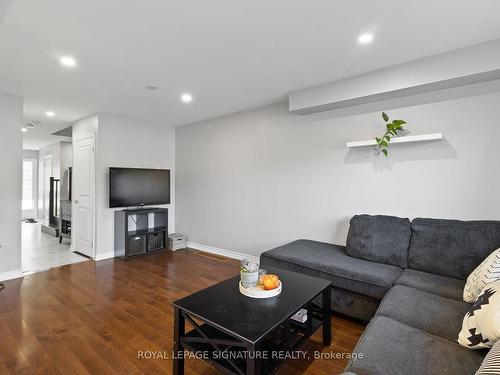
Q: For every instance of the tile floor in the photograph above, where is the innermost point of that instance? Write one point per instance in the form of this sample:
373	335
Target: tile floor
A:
41	251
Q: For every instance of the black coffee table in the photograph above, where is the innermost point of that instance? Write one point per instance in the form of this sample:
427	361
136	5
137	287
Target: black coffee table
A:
242	335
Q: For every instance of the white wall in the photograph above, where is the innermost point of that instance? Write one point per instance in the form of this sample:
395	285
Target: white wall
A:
254	180
125	141
11	121
30	154
54	151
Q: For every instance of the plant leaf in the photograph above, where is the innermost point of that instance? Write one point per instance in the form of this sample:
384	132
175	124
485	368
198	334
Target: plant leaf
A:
399	122
384	152
384	144
385	117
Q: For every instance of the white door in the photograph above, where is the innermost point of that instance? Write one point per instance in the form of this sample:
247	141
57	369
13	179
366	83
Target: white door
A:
83	202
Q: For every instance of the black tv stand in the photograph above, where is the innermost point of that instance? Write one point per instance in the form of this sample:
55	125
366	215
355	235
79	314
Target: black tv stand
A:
140	231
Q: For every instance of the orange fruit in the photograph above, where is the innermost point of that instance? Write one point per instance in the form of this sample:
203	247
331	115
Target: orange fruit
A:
270	282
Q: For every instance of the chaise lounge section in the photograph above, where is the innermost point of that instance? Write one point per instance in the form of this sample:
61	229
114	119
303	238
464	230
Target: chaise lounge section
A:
405	278
358	285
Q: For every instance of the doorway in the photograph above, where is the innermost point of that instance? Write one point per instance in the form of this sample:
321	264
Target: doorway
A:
46	208
41	251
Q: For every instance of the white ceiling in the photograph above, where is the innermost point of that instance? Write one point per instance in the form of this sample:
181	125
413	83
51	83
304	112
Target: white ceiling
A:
231	55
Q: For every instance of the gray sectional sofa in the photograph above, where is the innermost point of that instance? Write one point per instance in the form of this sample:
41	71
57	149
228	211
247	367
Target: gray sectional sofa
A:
406	279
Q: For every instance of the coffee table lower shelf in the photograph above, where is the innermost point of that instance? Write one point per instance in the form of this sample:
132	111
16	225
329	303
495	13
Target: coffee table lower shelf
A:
231	355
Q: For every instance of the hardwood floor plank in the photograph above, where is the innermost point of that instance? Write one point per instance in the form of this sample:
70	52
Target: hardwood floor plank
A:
3	368
35	353
97	317
121	363
13	357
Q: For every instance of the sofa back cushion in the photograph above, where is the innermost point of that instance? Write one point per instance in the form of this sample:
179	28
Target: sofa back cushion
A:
381	239
451	248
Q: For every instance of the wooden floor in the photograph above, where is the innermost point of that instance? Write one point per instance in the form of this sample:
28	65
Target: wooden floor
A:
96	318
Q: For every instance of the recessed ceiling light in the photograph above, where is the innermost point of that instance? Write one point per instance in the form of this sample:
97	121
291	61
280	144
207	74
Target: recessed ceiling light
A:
365	38
50	114
67	61
186	98
24	129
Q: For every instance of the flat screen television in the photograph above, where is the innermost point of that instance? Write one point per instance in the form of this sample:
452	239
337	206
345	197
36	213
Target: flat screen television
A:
138	187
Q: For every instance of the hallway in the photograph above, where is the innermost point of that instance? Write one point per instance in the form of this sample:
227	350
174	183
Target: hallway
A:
41	251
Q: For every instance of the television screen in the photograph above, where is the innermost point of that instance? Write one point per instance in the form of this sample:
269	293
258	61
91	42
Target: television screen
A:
138	187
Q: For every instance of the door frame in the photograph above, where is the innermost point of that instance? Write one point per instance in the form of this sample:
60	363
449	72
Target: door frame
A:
74	221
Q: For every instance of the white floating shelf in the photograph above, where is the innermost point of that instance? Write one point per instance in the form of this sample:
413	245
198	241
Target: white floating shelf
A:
394	140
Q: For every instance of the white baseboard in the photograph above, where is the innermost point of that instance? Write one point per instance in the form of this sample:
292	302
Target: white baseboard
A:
106	255
196	246
11	275
223	252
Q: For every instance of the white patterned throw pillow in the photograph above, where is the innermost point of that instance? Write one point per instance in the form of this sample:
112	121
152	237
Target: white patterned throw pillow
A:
481	325
487	272
491	363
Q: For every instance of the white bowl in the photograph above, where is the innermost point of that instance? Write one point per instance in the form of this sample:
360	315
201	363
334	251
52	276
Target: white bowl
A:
258	292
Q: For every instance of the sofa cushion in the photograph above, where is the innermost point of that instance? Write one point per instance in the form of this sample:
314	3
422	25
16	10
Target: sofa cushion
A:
332	263
353	304
436	315
428	282
382	239
392	347
451	248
